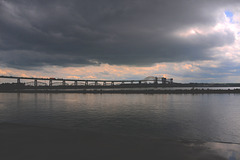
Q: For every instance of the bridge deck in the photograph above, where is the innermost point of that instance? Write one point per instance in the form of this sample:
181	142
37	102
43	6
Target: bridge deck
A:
62	79
87	82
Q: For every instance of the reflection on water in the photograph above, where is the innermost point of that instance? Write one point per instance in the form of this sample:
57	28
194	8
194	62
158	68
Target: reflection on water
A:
229	151
173	88
226	150
206	117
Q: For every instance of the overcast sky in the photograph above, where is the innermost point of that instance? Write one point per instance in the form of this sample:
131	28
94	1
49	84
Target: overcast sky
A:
188	40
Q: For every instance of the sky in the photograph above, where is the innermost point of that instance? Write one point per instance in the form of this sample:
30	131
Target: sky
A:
187	40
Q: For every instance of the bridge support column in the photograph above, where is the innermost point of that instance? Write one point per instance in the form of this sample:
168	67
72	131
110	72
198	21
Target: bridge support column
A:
164	80
18	80
35	83
104	83
75	83
140	82
86	83
131	82
96	82
112	83
64	83
50	83
156	80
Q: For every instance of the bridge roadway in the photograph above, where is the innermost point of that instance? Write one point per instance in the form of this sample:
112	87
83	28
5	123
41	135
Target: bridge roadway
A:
96	82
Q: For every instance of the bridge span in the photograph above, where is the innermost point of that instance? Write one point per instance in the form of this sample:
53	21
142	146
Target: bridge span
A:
77	82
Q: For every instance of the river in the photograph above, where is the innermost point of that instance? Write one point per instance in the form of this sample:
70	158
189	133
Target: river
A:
203	117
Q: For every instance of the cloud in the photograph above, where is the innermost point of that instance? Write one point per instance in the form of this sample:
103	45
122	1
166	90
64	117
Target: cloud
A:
79	32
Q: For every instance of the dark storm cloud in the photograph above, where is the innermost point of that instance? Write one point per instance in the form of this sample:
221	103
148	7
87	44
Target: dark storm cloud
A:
83	32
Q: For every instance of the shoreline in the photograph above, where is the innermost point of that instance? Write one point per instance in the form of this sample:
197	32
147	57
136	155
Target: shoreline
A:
31	142
127	91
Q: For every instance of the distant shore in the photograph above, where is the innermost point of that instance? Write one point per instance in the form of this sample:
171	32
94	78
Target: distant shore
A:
31	142
175	88
127	91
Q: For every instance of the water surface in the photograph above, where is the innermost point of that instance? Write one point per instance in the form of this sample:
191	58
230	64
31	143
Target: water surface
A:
205	117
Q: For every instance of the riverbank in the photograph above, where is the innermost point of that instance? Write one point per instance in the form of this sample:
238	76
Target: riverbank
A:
31	142
128	91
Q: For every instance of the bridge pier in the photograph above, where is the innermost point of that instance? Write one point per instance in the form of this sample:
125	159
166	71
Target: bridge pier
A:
75	83
18	81
50	83
140	82
64	83
96	83
164	80
86	83
104	83
156	80
35	83
112	83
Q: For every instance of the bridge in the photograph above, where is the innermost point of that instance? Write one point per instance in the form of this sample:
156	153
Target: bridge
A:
78	82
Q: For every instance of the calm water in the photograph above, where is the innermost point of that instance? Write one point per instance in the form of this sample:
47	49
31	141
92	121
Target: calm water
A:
206	117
